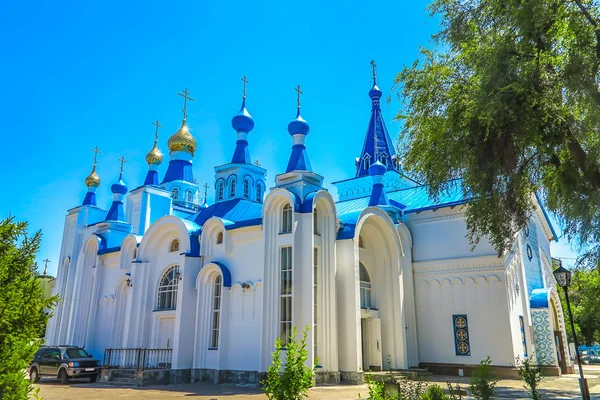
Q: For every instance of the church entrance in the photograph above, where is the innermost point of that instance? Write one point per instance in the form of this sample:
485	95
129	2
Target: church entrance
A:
166	332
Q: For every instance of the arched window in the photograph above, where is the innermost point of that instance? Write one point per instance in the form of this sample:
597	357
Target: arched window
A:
246	188
232	188
167	289
175	193
286	219
367	163
384	159
216	313
315	222
174	245
259	193
285	294
220	191
189	196
220	238
365	287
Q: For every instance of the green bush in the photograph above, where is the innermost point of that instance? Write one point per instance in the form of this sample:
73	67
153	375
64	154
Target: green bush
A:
434	392
295	380
531	373
483	383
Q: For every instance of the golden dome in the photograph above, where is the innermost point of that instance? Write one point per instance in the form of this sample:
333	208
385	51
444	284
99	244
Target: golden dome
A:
92	180
182	140
154	156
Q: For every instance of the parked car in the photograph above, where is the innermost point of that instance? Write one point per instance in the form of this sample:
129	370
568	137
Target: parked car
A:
63	362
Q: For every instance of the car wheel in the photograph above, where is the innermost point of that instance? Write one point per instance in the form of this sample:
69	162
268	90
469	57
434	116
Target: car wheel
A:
33	375
93	378
62	375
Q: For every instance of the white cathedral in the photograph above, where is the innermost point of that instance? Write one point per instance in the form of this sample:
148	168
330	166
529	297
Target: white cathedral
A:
383	273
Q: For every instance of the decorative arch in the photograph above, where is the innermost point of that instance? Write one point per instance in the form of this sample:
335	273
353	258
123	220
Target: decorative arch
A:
167	289
128	251
160	235
210	232
220	189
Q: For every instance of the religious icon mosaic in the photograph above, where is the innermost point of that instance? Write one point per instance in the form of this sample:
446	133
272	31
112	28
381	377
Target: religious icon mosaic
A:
461	335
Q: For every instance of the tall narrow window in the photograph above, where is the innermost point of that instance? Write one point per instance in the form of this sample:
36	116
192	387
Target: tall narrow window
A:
315	299
285	308
167	289
246	188
365	287
523	338
315	222
219	237
259	193
384	160
286	219
220	191
367	163
189	197
216	313
175	193
232	188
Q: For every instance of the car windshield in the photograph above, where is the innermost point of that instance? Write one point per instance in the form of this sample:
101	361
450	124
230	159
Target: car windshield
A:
76	353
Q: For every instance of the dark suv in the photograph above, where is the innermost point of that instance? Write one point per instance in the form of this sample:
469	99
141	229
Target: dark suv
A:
63	362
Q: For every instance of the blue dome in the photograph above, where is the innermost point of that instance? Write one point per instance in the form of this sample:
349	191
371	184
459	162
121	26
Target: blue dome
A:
377	168
375	92
243	121
119	187
298	126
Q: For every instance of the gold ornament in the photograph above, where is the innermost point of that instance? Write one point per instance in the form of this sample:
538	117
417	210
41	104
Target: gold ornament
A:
182	140
92	180
154	156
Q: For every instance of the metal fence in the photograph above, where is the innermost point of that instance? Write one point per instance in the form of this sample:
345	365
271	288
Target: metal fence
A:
139	359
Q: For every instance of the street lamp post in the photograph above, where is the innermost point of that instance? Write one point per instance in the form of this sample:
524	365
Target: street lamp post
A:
563	278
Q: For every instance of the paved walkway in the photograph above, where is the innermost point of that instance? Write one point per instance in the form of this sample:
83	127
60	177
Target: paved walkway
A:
564	387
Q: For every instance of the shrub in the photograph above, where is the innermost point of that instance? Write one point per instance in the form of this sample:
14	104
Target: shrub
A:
434	392
483	383
531	373
295	380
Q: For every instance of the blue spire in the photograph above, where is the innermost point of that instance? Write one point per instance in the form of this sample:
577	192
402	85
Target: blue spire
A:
378	196
377	135
298	129
119	189
243	124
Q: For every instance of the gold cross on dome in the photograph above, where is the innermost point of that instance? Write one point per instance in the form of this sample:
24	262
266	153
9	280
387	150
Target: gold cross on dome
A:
96	150
245	83
299	93
158	126
186	97
122	159
374	70
46	261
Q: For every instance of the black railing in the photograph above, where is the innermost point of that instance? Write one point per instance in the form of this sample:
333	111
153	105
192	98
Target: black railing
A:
138	359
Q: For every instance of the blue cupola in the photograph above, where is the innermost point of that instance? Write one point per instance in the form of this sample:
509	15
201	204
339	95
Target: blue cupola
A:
378	196
119	189
242	123
153	158
298	129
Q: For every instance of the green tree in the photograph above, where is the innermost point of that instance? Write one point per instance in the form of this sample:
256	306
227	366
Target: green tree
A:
293	382
585	304
23	310
507	100
531	373
483	383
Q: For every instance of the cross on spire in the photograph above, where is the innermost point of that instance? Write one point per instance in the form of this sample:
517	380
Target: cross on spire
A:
46	261
96	150
186	97
245	83
299	93
374	66
257	163
122	159
158	126
205	186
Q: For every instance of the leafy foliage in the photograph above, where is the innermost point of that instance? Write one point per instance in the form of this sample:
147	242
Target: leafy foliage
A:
506	104
531	373
483	383
23	310
434	392
295	380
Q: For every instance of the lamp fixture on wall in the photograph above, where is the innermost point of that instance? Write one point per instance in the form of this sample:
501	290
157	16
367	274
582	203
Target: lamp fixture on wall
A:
245	285
177	276
128	275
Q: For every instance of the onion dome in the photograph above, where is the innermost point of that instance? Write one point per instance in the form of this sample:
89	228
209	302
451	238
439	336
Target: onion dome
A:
92	180
375	92
154	156
243	121
377	168
298	126
182	140
119	187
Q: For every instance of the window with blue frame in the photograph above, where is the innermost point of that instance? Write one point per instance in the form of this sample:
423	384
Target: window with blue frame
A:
523	337
461	335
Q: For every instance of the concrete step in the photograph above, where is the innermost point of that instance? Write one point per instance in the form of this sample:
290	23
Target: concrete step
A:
122	382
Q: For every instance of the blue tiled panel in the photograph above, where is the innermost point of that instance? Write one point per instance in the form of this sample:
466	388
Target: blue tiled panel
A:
462	344
531	258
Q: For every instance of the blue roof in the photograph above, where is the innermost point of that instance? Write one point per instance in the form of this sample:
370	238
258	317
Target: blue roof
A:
236	213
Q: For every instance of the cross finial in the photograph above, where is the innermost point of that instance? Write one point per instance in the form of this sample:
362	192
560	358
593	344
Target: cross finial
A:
96	150
186	97
245	83
374	66
257	163
158	126
299	93
205	186
46	261
122	159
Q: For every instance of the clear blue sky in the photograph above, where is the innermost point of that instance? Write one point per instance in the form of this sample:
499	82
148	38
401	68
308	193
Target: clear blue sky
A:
76	74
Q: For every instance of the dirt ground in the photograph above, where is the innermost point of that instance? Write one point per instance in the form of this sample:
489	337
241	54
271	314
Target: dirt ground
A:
564	387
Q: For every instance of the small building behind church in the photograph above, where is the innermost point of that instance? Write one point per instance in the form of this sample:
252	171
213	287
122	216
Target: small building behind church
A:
380	271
